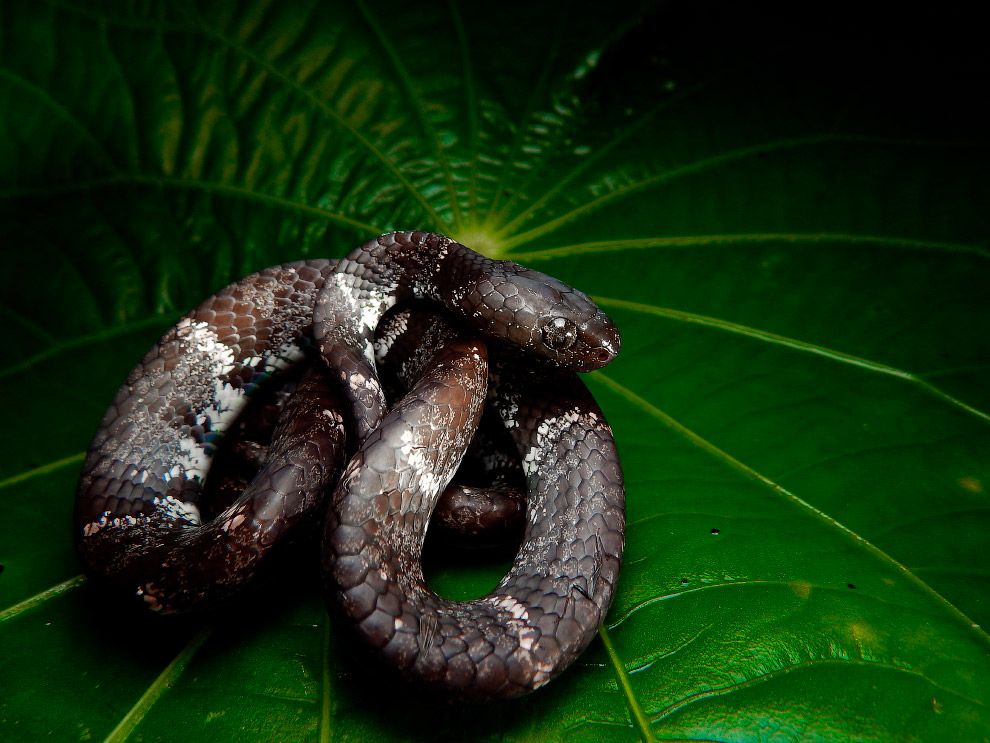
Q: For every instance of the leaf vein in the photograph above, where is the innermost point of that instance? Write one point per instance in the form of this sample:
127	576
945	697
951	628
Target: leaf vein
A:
627	132
697	167
519	132
205	186
751	474
684	241
803	665
43	469
622	676
39	598
416	100
322	106
63	113
471	96
79	341
793	343
326	706
165	680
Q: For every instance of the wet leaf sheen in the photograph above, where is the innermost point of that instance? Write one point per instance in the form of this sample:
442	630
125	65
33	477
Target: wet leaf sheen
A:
792	238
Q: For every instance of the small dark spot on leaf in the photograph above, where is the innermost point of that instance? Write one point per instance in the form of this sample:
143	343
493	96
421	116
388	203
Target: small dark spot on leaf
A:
716	531
684	581
850	585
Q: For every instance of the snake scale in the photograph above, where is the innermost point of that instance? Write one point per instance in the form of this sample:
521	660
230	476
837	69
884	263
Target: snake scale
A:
142	526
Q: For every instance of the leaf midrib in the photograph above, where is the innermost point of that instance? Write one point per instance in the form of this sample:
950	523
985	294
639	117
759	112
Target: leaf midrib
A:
707	163
794	344
749	238
847	534
675	707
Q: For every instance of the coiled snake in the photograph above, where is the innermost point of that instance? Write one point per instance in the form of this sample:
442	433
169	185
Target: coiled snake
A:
138	523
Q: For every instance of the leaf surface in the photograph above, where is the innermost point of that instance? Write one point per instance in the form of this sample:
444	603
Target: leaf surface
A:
789	228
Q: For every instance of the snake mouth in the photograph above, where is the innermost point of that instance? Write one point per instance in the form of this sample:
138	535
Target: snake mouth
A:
374	511
602	343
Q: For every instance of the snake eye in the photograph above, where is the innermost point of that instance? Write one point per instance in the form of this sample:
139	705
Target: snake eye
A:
559	334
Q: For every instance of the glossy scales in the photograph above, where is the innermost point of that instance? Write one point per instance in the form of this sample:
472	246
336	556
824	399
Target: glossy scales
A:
139	513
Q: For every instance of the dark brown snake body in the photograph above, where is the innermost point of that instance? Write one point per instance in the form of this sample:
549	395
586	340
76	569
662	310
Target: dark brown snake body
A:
138	521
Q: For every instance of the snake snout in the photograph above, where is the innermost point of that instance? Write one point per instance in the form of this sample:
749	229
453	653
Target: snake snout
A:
603	341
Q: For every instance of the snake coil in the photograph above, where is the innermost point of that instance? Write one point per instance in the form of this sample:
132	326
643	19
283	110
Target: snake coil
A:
139	525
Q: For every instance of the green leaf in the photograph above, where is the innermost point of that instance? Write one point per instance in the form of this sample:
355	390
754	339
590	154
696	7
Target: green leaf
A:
788	220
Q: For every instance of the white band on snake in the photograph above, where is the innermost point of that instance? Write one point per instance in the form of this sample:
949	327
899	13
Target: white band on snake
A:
139	524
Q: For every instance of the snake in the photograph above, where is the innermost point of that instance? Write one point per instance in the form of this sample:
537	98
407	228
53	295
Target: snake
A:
368	475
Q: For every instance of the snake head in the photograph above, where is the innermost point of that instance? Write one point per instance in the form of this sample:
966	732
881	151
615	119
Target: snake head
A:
573	331
543	315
